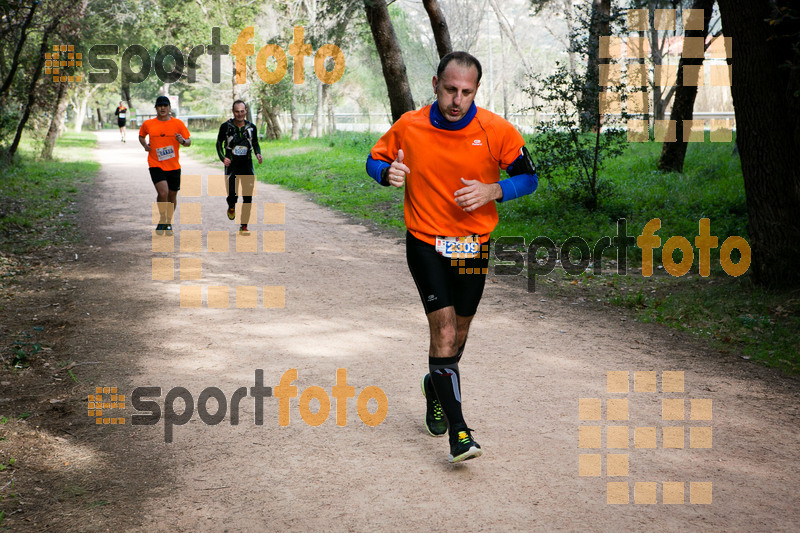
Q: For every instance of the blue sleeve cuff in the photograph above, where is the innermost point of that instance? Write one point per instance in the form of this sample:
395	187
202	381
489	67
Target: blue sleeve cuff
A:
519	185
375	168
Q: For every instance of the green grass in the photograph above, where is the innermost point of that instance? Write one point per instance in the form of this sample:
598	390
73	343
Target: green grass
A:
38	199
711	187
730	312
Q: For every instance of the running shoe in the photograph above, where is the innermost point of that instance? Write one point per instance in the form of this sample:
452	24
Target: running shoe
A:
243	230
168	229
231	213
435	421
463	446
160	229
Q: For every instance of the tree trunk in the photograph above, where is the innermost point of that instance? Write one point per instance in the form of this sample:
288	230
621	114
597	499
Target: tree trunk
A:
569	18
269	116
236	91
505	77
441	34
767	105
273	125
315	127
656	57
15	60
674	153
56	121
126	95
37	73
505	28
392	64
590	98
295	118
331	112
83	105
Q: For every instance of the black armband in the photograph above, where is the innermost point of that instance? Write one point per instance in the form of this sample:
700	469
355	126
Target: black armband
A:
522	165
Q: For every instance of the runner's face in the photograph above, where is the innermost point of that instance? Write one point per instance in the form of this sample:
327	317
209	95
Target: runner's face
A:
455	90
162	111
239	112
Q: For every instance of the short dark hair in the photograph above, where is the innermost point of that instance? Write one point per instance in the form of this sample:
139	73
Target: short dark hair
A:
462	58
238	102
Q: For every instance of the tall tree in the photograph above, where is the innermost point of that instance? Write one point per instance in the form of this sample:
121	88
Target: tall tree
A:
69	31
674	153
766	97
56	121
32	88
441	34
20	44
599	26
558	9
392	64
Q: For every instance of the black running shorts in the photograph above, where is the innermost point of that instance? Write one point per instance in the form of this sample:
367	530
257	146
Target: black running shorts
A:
173	177
440	284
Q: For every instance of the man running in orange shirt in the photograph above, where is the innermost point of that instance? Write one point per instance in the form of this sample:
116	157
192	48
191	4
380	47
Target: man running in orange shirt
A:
165	134
449	155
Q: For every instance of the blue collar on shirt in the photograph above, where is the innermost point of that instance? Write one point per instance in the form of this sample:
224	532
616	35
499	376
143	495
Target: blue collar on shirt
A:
438	120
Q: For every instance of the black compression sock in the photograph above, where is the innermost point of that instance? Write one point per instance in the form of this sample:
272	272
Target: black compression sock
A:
446	382
460	353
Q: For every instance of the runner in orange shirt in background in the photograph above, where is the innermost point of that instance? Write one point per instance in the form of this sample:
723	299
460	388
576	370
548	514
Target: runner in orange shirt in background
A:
165	134
449	155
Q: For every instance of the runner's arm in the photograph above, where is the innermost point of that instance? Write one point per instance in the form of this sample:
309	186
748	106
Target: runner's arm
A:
522	179
256	146
375	168
221	142
185	137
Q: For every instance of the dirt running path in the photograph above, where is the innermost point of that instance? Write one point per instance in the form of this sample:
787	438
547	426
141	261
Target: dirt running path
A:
351	303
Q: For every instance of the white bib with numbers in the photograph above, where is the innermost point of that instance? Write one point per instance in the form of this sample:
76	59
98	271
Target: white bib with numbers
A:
458	247
240	150
168	152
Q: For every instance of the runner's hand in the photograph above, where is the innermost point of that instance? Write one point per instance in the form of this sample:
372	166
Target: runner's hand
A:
476	194
396	175
180	138
147	147
260	159
226	162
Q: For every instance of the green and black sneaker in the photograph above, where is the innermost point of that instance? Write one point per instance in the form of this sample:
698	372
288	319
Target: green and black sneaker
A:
435	421
463	446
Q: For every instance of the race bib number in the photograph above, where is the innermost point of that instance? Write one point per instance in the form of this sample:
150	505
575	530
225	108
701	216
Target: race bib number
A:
168	152
240	150
122	115
458	247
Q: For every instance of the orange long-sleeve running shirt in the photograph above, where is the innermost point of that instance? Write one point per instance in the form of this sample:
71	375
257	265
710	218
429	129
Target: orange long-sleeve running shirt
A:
438	159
